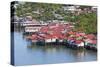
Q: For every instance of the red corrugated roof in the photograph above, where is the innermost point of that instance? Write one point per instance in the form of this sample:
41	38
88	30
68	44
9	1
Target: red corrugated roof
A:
94	41
34	37
90	36
55	31
78	41
44	29
71	32
77	35
48	36
71	38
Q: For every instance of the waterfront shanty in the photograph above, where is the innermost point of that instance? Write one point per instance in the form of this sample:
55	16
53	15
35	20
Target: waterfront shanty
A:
61	34
57	26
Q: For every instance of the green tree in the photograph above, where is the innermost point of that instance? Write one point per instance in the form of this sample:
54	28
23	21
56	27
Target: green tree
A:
87	22
45	11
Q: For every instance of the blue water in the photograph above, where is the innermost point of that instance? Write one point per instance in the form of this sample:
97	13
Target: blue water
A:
28	54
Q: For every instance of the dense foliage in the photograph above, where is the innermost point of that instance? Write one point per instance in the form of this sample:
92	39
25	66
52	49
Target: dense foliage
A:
86	22
44	11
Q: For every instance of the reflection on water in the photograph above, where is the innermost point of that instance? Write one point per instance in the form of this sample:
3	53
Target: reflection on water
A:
27	53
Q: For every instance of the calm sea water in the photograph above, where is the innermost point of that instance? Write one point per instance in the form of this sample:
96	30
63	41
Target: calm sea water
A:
28	54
